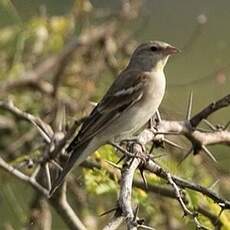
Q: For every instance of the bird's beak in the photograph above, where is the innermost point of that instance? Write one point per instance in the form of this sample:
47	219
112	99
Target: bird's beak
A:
170	50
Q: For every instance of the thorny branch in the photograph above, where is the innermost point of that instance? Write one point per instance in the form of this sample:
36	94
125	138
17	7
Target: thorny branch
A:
132	162
124	201
135	157
179	128
44	129
223	102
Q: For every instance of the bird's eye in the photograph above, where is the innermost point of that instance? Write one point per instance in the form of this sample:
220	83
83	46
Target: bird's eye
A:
154	48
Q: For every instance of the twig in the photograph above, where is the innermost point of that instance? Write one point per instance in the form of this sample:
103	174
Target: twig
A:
211	108
47	170
124	201
212	217
8	168
65	141
182	183
61	205
44	129
178	195
209	154
209	124
114	223
189	109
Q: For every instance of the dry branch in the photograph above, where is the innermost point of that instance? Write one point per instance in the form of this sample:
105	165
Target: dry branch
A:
124	201
204	113
44	129
133	159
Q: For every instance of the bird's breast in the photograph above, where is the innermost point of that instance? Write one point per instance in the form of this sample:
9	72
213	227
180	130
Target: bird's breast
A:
152	97
154	92
139	114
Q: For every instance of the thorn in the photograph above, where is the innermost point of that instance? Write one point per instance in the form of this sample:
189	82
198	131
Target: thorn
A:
202	130
189	109
209	154
173	144
214	184
109	211
136	213
56	164
166	133
64	121
185	156
209	124
152	147
93	103
226	126
221	211
158	116
60	118
35	173
121	159
158	156
222	205
143	178
119	148
47	170
132	159
113	164
146	227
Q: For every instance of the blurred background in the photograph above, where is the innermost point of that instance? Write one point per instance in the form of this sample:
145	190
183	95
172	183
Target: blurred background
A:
33	33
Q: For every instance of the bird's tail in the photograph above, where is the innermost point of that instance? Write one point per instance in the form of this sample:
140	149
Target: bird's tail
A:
78	155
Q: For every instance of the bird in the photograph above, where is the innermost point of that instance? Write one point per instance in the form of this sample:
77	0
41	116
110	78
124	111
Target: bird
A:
128	105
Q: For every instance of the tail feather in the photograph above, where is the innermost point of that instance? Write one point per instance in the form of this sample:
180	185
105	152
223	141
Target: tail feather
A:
77	156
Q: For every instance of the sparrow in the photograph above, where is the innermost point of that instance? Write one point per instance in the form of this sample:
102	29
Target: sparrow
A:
128	105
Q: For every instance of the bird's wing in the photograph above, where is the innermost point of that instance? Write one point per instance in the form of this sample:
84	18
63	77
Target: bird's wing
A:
126	90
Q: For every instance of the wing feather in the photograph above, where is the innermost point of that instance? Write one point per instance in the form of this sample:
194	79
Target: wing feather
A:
115	102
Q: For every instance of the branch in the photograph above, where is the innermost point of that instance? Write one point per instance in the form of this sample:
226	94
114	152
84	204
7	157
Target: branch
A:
195	136
40	214
211	108
44	129
31	180
198	138
124	201
212	217
64	141
114	223
182	183
157	189
59	202
61	205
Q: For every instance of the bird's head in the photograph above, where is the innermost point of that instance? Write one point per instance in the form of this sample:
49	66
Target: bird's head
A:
152	55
